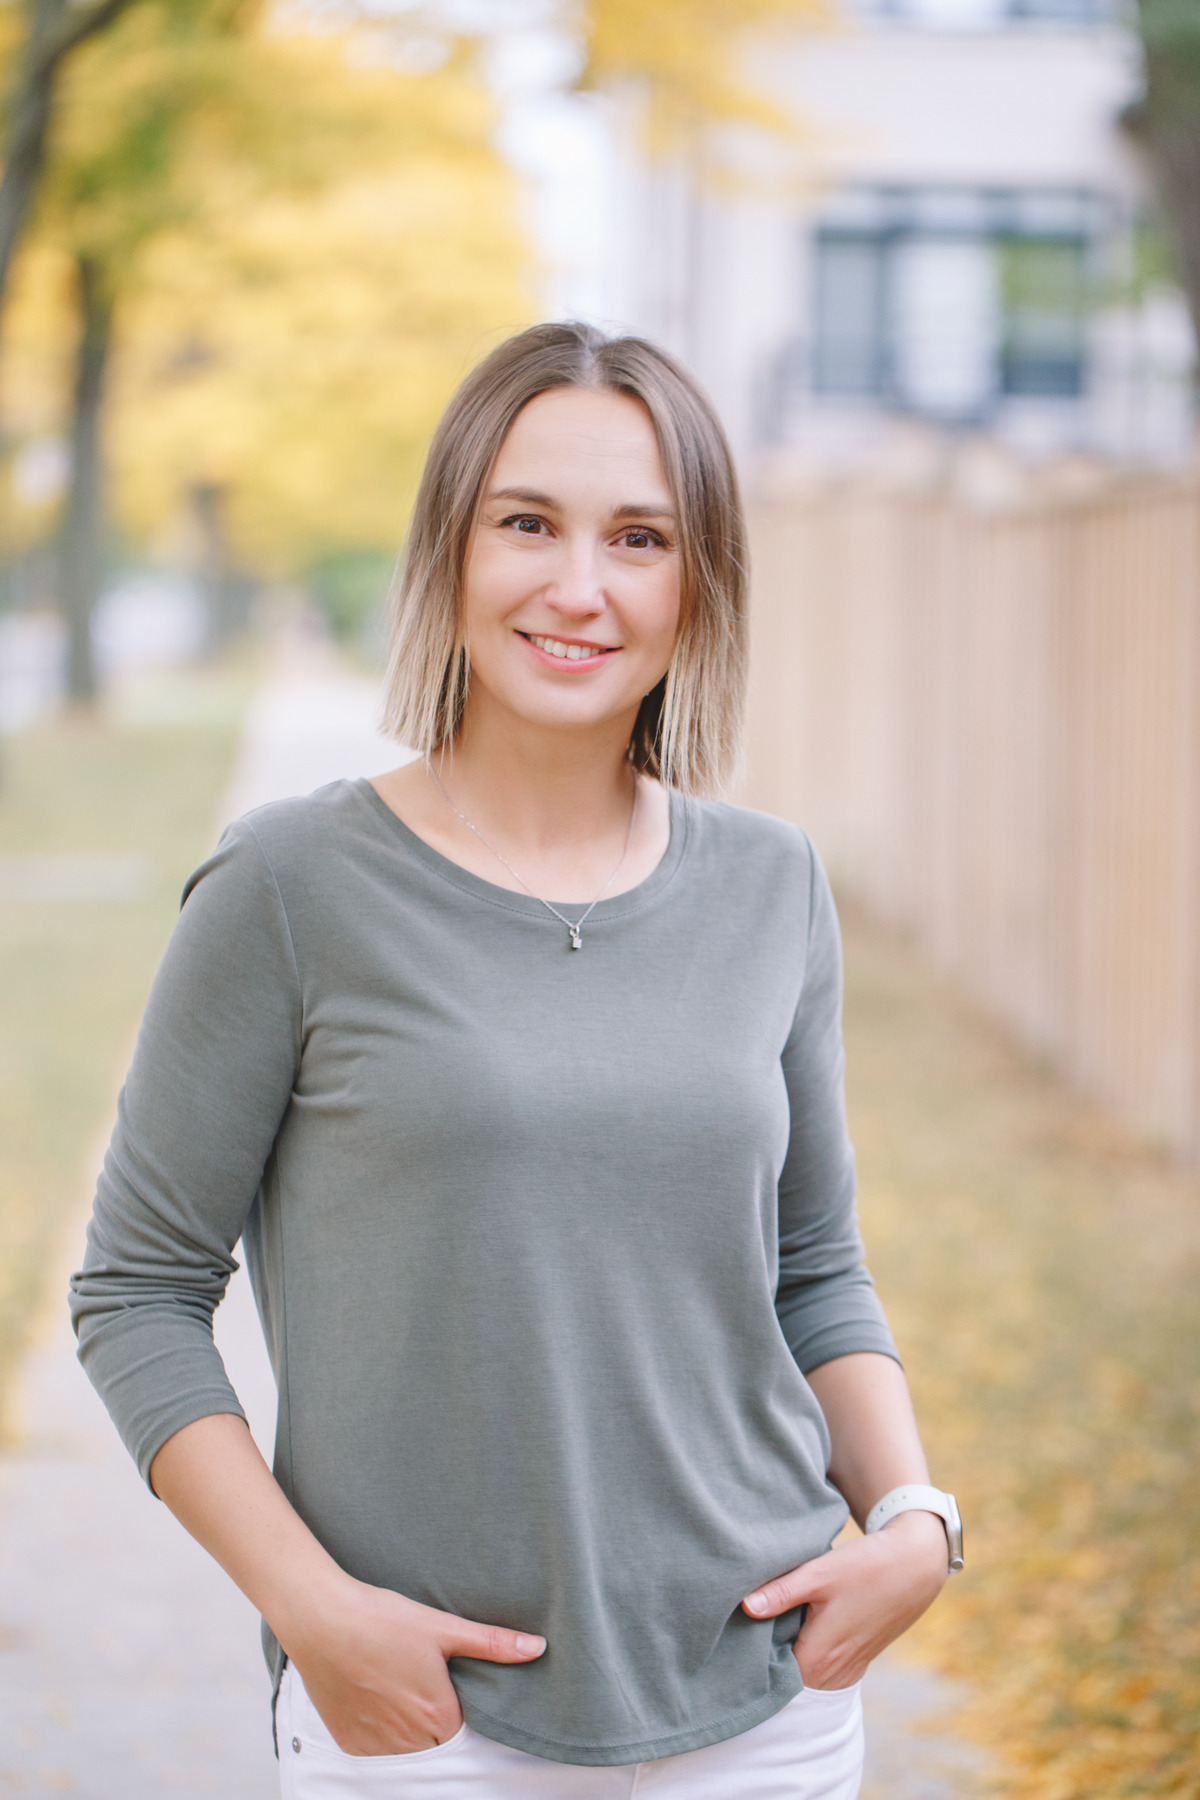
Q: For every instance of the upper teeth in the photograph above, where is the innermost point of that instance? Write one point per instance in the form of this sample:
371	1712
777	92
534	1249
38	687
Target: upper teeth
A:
572	652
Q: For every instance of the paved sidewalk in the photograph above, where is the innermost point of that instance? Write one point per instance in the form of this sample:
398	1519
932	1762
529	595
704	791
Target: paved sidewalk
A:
130	1666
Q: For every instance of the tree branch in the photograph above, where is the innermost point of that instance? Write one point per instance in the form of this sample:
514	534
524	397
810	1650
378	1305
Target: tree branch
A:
79	24
55	30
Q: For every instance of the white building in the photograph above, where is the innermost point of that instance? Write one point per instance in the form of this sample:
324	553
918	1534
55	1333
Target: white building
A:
960	254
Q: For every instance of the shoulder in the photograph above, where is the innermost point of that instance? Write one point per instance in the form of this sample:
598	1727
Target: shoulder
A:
751	844
287	844
297	835
332	812
766	871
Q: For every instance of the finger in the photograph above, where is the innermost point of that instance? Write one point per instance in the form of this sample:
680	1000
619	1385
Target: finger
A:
782	1594
490	1643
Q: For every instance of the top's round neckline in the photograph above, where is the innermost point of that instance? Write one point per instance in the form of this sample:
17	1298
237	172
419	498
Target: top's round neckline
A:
515	900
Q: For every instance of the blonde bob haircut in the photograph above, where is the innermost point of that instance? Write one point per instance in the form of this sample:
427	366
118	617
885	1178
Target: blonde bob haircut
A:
688	727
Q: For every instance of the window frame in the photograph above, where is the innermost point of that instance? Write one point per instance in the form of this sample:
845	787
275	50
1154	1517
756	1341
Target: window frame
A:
888	218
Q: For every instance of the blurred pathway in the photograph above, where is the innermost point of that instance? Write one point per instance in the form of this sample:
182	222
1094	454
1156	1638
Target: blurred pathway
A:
130	1666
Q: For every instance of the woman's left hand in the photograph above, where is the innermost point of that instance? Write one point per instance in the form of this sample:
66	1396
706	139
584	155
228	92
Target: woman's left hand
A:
860	1596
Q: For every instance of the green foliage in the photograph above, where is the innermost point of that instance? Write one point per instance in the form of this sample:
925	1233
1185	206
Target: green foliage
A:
1044	275
351	589
1155	261
1170	32
1171	28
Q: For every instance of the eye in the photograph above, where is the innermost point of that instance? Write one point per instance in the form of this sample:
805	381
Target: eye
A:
528	524
640	537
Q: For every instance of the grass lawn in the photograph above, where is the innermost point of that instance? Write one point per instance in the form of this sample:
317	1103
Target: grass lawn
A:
1040	1271
74	971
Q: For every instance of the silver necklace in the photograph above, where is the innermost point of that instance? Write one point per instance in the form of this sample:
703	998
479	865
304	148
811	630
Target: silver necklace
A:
576	929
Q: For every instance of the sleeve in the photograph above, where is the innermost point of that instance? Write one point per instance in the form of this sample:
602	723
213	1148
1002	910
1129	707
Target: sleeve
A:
211	1078
826	1303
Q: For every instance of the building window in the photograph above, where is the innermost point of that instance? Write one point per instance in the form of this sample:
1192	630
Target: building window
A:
1071	12
942	316
941	301
981	14
1043	292
850	304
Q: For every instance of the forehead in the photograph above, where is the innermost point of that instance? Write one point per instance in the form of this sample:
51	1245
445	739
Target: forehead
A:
573	435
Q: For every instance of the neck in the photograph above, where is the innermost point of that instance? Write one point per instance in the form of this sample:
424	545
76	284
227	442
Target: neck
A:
541	788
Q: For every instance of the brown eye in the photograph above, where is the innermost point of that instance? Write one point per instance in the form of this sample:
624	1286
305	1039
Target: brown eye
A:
641	540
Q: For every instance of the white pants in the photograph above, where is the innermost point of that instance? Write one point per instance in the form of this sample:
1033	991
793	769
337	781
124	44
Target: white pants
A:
811	1750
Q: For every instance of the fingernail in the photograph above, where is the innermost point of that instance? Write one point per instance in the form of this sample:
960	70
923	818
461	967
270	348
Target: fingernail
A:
530	1646
755	1603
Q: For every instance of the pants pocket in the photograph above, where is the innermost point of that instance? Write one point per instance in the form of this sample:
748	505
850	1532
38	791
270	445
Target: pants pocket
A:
846	1696
313	1766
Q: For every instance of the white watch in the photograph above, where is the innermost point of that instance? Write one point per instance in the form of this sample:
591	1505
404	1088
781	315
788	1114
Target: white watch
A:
921	1499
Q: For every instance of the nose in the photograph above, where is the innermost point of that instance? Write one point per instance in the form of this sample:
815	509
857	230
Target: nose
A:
577	590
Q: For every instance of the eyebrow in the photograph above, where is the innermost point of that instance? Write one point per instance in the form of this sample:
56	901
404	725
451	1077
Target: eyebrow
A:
631	510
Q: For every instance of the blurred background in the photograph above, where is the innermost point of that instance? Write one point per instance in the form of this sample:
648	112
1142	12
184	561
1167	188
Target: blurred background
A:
938	262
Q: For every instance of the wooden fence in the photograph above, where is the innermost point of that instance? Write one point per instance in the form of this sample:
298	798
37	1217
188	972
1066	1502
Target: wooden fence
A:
989	721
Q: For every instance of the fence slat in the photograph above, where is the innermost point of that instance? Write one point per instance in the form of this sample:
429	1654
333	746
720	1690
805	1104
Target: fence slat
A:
990	723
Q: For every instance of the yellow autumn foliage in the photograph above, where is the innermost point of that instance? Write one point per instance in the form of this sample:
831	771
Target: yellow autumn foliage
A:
688	57
295	349
1039	1269
308	247
35	385
129	101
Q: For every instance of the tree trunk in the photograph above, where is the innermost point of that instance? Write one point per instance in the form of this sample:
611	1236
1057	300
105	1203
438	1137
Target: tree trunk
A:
1177	157
55	29
219	587
80	544
29	119
1174	149
1166	123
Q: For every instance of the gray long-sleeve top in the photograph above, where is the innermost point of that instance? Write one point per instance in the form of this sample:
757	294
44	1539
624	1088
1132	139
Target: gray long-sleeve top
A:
543	1242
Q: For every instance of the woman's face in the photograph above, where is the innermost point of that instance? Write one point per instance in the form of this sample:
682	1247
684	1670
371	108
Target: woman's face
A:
572	579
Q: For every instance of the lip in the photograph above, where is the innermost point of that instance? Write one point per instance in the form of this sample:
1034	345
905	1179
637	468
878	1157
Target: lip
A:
601	652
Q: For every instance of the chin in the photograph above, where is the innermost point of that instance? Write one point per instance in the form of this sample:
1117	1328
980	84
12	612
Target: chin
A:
552	717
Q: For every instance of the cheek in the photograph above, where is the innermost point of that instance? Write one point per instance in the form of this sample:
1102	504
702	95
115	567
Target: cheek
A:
663	614
490	591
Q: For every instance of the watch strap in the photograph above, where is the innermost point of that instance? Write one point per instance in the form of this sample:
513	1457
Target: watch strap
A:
918	1498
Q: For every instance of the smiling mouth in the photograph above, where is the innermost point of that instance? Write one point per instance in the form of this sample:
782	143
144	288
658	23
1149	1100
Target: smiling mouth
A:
567	651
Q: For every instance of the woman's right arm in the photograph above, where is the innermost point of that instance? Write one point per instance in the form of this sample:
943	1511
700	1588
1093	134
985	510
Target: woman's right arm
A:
217	1059
373	1662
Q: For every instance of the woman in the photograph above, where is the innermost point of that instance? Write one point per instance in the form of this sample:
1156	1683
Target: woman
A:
518	1071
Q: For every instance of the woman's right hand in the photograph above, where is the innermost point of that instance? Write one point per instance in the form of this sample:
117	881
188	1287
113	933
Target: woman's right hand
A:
374	1663
374	1666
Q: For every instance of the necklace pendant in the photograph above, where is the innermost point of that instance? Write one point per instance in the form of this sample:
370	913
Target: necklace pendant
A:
576	940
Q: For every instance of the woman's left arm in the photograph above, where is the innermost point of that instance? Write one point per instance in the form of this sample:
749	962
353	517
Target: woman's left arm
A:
862	1594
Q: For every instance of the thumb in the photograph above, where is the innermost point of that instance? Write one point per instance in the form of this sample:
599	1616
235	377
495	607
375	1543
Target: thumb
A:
785	1592
489	1643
